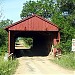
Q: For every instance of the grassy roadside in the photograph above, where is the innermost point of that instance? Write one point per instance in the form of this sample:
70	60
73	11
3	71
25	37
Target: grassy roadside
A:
67	61
8	67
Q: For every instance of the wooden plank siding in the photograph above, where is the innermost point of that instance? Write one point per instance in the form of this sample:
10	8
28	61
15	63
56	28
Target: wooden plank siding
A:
35	23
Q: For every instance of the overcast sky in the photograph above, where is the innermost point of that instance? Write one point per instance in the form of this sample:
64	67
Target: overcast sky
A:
12	9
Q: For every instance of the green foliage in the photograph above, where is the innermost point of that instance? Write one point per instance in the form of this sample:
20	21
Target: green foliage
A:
3	49
67	5
5	23
55	11
4	35
66	61
42	7
28	41
66	31
8	67
3	41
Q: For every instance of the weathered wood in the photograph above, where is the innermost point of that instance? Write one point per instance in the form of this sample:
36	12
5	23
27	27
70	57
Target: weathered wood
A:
9	42
58	36
33	24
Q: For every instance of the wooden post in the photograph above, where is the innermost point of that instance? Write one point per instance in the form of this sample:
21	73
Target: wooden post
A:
9	42
55	42
59	36
12	42
54	51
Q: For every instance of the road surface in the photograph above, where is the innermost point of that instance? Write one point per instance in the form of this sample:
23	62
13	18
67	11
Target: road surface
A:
39	66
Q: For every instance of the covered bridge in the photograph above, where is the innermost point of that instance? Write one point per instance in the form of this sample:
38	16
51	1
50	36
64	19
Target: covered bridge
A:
43	32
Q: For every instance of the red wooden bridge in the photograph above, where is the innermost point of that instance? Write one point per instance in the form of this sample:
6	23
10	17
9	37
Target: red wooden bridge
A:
43	32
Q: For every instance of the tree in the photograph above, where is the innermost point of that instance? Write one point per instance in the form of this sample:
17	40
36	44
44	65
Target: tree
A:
3	35
66	5
67	31
43	8
61	12
66	22
5	23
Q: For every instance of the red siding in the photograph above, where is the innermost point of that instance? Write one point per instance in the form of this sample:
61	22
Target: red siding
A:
9	42
34	24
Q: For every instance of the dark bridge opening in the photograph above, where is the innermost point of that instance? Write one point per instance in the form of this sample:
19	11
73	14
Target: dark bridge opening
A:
41	45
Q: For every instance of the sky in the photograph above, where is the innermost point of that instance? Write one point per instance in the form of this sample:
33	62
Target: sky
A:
11	9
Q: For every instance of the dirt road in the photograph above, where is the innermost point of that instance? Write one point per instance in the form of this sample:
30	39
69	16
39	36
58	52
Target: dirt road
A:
39	66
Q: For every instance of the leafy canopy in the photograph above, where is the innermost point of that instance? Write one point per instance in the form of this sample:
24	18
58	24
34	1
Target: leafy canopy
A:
42	7
61	12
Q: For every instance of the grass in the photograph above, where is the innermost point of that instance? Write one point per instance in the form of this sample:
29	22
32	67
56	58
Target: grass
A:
8	67
67	61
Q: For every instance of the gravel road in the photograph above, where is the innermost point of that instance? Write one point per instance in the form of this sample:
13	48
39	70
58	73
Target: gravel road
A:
39	66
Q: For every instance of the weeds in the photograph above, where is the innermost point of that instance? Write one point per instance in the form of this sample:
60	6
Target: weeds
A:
8	67
66	61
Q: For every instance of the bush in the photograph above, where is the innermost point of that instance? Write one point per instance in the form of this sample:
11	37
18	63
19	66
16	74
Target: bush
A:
28	41
3	37
3	41
3	50
66	47
7	67
67	61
